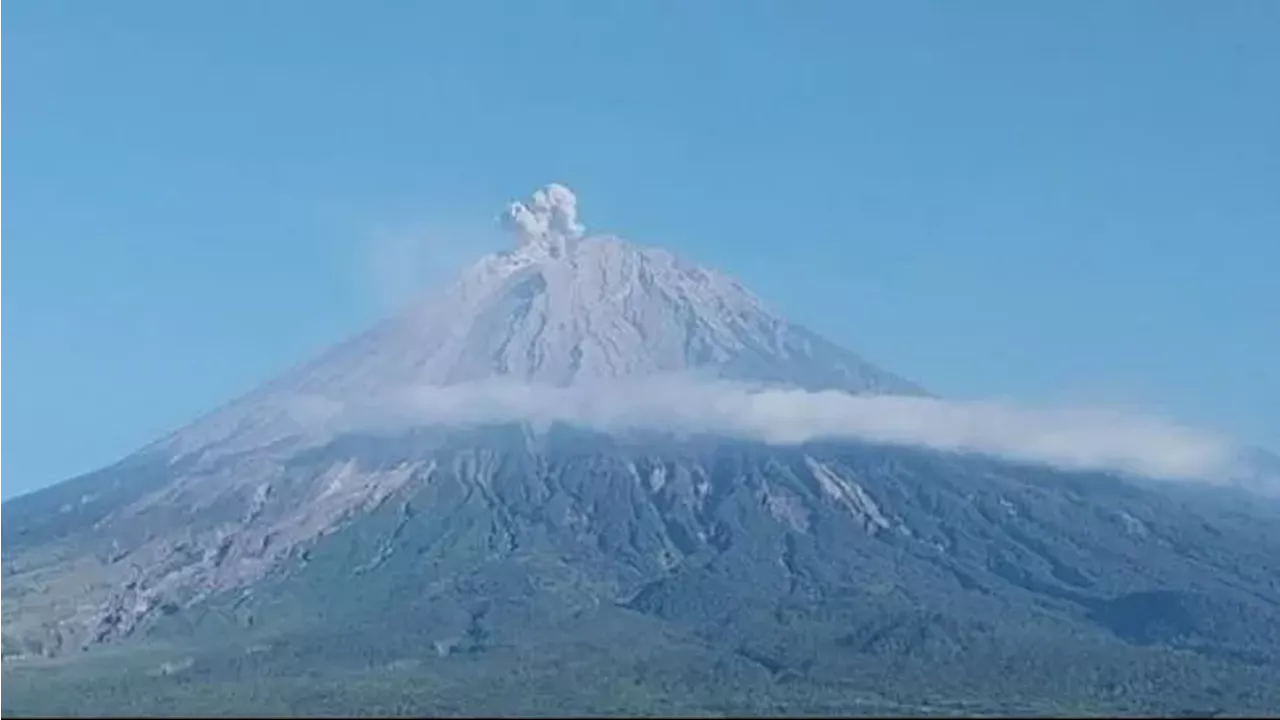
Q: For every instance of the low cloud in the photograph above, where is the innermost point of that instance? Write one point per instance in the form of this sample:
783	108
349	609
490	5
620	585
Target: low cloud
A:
1076	438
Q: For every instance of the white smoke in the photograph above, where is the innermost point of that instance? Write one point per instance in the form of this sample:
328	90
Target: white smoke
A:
404	261
548	221
1076	438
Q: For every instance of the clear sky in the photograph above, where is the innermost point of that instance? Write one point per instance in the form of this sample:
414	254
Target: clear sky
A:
1044	201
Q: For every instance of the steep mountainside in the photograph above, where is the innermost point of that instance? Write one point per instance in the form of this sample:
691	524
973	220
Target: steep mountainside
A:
557	309
274	558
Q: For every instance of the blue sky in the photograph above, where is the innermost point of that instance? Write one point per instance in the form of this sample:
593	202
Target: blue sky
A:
1054	202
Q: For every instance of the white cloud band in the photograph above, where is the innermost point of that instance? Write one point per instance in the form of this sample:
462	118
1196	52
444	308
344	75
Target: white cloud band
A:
1083	438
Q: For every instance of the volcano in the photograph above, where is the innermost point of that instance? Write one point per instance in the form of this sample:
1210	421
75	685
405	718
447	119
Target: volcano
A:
314	547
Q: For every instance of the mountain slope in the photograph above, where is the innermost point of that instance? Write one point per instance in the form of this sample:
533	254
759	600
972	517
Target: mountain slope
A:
850	570
558	309
273	548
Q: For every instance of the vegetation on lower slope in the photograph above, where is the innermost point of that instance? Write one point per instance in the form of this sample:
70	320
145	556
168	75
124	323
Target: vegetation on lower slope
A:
591	576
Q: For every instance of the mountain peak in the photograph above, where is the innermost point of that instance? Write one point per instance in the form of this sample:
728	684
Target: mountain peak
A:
559	309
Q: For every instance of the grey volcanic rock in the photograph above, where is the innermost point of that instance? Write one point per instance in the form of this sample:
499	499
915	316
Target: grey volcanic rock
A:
510	569
558	309
217	505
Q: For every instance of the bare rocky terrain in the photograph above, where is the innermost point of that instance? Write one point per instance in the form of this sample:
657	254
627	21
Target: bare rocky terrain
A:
303	550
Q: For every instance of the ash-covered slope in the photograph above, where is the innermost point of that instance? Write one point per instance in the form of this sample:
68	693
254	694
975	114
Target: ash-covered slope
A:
218	504
558	309
272	546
